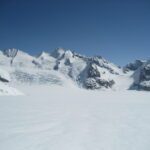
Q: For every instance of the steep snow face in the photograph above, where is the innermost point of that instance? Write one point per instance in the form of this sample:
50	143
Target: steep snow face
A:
84	70
5	89
44	61
142	77
70	65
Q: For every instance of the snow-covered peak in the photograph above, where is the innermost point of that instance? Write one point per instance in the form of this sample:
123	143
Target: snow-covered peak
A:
12	53
88	72
68	54
134	65
43	55
58	53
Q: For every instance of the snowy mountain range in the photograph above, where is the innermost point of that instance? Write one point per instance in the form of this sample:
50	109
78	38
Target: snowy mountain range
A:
68	68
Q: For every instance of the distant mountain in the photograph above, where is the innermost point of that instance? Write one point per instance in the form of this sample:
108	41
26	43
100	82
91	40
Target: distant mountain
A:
134	65
142	77
66	67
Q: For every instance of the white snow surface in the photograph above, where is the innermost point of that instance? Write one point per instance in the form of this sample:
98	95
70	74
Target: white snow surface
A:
7	90
59	118
4	74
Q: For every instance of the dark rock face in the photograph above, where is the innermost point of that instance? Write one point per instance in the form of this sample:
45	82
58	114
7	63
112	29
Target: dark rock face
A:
3	79
36	63
103	64
145	73
56	67
90	83
147	70
94	81
134	66
143	82
10	52
105	83
93	71
97	83
67	62
144	87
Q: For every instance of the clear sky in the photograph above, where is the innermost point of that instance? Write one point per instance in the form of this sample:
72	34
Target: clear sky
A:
119	30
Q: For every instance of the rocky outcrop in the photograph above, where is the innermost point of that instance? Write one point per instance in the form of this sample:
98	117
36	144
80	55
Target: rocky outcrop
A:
142	77
4	76
94	80
97	83
133	66
12	53
93	71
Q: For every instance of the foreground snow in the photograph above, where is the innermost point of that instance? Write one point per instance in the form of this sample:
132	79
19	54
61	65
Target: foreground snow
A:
55	118
7	90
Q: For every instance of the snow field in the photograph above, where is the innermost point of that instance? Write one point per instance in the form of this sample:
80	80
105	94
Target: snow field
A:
54	118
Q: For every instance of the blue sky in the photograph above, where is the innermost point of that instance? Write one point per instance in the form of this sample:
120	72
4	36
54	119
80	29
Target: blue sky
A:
119	30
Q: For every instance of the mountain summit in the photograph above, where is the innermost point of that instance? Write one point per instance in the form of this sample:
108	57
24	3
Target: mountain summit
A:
65	66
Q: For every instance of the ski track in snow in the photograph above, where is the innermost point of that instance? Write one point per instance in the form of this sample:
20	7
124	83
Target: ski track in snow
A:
50	118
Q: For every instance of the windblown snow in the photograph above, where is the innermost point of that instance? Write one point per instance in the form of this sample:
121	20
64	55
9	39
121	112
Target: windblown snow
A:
54	118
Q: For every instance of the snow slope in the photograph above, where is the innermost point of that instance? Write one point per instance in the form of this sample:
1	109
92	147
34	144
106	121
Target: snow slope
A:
86	72
5	89
56	118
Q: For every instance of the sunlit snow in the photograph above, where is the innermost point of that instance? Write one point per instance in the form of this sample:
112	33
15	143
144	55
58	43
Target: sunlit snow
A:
59	118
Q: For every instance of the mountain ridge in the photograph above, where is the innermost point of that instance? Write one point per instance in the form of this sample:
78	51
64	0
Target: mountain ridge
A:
93	72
